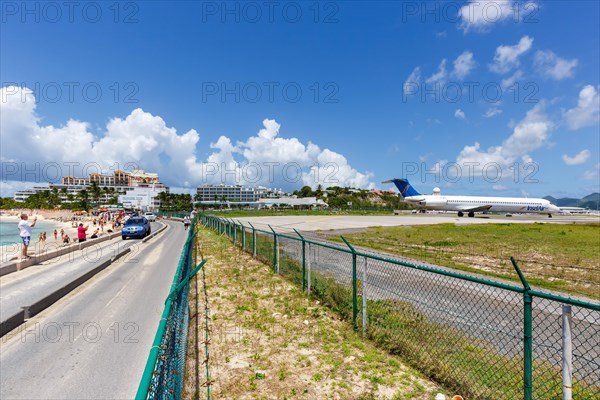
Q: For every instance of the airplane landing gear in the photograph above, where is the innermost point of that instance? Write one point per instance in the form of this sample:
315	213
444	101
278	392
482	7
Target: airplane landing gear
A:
549	215
460	214
471	214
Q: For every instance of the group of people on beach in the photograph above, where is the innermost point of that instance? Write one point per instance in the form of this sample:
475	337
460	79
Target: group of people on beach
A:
26	230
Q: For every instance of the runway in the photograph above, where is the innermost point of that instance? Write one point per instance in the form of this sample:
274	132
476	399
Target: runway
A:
342	222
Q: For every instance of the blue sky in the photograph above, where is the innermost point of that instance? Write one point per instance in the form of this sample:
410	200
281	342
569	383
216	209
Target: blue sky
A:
307	93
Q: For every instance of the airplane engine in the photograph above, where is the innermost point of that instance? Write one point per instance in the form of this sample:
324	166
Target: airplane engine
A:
433	203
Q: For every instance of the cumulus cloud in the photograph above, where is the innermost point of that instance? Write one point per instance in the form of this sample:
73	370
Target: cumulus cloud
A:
507	57
463	65
440	75
460	114
511	80
551	66
492	112
412	82
143	140
578	158
481	15
592	174
587	112
529	134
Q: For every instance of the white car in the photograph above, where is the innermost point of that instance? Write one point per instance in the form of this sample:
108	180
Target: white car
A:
150	216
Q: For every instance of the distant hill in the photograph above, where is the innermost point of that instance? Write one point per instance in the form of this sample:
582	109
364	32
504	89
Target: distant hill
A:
589	201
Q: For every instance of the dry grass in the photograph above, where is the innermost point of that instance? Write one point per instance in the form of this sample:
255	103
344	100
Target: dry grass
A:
268	341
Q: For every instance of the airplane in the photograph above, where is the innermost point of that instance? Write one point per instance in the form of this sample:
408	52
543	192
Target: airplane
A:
472	204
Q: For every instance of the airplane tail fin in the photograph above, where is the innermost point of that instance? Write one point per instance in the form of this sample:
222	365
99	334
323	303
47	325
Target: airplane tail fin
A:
405	188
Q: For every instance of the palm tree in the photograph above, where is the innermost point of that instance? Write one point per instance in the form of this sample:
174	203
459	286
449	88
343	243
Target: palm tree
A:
95	191
84	199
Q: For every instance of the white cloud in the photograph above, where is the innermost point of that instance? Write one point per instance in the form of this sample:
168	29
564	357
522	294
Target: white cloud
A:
332	169
463	65
438	167
507	57
511	80
481	15
529	134
592	174
460	114
587	112
412	82
440	75
578	158
492	112
142	140
551	66
9	187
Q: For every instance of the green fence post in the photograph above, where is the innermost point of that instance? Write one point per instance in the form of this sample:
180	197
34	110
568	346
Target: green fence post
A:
243	237
234	231
354	299
275	258
253	240
303	260
527	335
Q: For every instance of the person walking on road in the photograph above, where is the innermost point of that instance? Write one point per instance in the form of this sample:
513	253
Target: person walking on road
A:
25	230
186	222
81	233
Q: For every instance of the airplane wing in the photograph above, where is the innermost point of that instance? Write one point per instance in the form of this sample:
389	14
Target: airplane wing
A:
476	209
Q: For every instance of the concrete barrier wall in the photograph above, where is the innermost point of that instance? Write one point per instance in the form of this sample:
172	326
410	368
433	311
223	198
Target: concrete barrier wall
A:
53	252
33	309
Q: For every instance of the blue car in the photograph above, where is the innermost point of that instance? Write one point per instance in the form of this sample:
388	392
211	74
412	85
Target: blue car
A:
135	226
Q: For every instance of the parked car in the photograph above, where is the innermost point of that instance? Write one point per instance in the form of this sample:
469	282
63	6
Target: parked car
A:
150	216
135	226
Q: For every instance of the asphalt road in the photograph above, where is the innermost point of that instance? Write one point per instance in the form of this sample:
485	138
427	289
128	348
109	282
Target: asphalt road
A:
94	343
340	222
25	287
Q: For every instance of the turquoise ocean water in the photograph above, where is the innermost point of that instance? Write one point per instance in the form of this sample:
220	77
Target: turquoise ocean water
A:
9	233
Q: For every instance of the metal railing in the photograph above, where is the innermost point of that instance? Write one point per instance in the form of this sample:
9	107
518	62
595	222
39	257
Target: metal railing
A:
173	214
481	338
165	369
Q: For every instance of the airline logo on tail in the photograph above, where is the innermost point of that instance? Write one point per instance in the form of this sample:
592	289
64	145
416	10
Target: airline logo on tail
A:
405	188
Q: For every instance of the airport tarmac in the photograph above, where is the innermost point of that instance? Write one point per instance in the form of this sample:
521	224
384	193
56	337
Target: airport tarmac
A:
341	222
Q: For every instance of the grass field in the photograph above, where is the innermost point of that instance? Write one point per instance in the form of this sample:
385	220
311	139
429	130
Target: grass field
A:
552	256
269	341
467	365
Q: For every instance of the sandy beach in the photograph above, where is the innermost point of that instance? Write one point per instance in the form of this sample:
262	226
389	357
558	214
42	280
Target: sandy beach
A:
62	219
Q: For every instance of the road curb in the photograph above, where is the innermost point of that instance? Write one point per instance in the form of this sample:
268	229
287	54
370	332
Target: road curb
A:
31	310
52	252
164	226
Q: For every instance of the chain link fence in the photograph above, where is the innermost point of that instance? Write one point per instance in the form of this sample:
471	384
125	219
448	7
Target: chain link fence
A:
482	338
164	373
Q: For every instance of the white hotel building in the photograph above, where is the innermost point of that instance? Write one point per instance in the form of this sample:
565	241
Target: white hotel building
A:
222	192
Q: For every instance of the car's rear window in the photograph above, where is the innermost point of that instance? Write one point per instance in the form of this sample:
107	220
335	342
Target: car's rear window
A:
134	221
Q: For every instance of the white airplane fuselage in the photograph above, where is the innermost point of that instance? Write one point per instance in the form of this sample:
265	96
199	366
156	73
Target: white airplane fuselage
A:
491	204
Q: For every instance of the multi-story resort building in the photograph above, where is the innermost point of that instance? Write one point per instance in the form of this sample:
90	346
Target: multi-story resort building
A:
221	192
119	183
